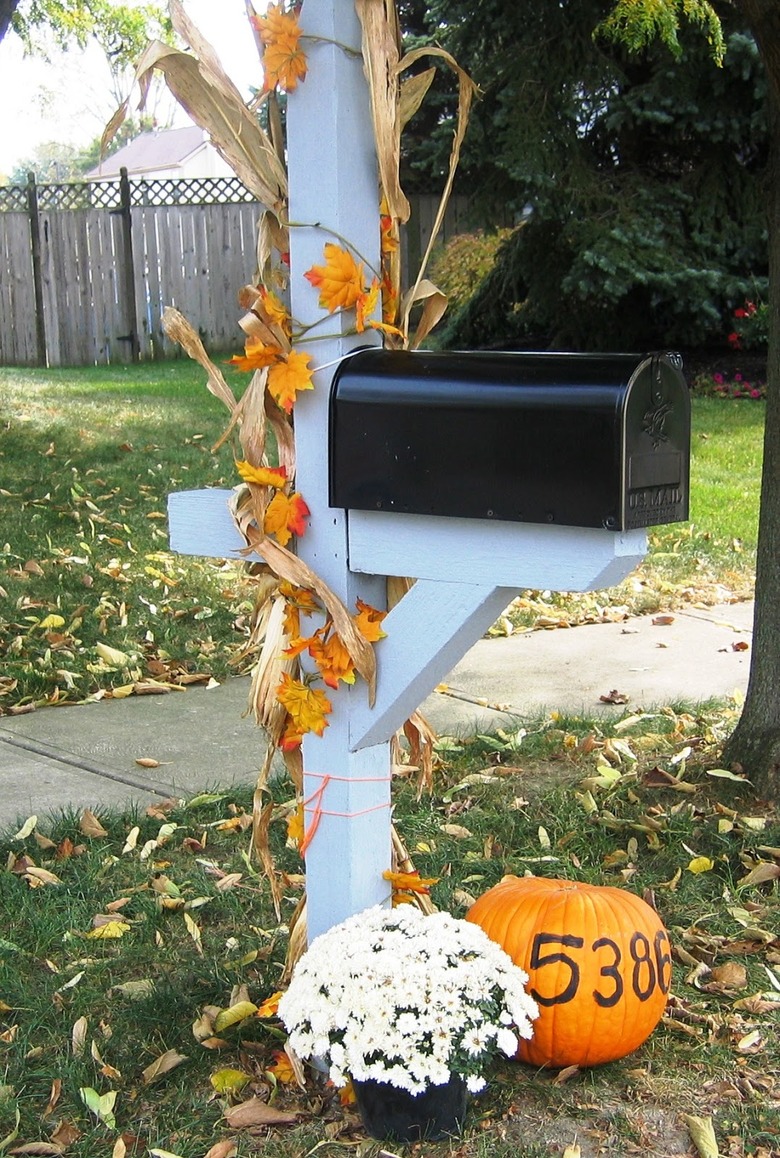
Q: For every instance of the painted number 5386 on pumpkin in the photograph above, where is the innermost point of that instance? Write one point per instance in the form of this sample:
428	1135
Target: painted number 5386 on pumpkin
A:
649	966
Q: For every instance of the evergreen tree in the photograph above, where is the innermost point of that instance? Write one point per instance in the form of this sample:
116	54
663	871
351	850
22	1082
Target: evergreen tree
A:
643	173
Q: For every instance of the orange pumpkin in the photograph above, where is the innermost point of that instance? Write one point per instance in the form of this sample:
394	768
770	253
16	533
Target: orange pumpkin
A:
598	961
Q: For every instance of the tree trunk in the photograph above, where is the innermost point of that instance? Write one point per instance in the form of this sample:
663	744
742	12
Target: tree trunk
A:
7	9
755	743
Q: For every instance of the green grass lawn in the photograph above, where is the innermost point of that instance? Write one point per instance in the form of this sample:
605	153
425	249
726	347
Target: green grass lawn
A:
121	942
119	954
87	458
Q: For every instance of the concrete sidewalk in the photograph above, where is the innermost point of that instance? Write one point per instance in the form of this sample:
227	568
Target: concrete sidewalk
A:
86	755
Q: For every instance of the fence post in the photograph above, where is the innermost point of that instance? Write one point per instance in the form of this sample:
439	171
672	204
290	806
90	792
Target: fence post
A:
128	268
35	248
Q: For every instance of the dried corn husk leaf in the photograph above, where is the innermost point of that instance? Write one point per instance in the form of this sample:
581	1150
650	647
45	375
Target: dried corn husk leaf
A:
467	90
381	40
271	664
179	330
296	942
413	93
271	236
422	738
288	566
434	307
204	90
262	848
283	433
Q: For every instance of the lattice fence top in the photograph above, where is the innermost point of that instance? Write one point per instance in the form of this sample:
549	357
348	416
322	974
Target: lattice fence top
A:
13	198
143	191
189	191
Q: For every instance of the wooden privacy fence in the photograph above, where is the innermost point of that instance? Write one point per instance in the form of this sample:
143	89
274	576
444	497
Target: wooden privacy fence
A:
87	268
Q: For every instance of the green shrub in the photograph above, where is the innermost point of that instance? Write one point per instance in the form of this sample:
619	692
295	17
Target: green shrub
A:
458	267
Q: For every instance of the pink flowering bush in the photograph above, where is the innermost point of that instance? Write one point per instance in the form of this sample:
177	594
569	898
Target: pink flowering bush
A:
751	327
736	385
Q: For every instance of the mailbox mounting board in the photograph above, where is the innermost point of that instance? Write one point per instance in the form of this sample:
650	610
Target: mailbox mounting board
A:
585	440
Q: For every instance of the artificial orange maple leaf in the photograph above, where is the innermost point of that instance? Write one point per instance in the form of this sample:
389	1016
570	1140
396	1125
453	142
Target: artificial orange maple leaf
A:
307	706
275	23
410	882
296	824
264	476
333	660
290	374
291	738
340	280
284	64
281	1068
257	355
389	302
388	234
269	1007
298	599
368	621
298	646
286	516
365	306
347	1095
274	312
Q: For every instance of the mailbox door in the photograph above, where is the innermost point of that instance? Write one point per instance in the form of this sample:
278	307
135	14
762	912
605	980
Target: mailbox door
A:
657	433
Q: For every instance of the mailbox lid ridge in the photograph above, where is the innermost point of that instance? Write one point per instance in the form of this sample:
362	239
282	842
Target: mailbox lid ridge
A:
483	378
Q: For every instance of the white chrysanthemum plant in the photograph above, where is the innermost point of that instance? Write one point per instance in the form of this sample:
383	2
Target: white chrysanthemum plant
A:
394	996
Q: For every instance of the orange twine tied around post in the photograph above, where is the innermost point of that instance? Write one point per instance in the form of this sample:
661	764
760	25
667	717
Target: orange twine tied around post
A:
313	803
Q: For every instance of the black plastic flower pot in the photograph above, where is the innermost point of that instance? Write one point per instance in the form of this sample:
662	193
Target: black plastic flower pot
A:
389	1112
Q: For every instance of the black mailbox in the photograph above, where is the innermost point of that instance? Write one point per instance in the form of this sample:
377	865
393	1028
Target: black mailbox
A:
584	440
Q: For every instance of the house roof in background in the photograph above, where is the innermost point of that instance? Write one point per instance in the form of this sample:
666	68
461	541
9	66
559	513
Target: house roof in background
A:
151	151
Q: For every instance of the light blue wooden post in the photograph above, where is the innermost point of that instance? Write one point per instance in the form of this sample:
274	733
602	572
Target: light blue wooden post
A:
467	570
333	182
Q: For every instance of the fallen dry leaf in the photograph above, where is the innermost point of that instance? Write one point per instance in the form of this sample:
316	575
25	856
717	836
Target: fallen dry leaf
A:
90	825
703	1135
614	697
162	1065
456	830
761	873
65	1134
256	1112
226	1149
662	620
38	1149
564	1075
26	829
728	977
78	1036
54	1096
36	877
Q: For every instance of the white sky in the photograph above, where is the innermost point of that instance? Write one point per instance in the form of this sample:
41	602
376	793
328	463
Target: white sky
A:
69	100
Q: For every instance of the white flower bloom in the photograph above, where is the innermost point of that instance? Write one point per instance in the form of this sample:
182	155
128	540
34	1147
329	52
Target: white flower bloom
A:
506	1042
403	998
475	1084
